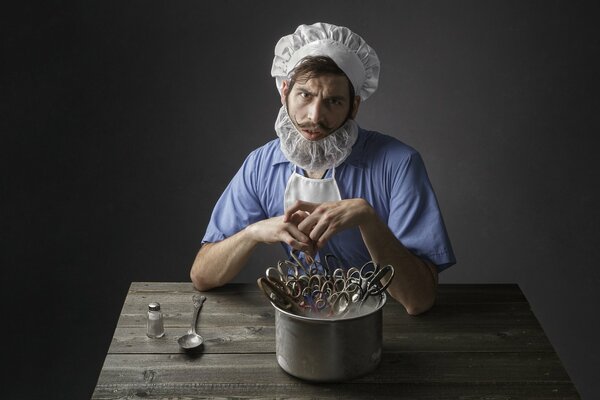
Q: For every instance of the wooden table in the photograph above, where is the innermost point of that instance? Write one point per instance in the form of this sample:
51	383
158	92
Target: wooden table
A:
478	342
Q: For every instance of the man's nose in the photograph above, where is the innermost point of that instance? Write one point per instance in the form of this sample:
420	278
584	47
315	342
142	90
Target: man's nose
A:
316	111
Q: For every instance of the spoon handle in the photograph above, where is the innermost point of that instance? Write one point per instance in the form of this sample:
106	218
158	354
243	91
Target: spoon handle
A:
198	301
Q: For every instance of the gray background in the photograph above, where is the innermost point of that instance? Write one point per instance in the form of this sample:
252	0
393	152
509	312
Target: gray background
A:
122	122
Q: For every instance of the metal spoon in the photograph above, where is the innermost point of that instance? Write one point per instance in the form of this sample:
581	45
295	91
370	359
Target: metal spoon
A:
192	339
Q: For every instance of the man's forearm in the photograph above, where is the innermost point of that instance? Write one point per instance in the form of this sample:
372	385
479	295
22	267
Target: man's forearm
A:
218	263
415	281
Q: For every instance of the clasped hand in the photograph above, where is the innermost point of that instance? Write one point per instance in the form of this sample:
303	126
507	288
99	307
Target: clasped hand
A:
308	226
319	222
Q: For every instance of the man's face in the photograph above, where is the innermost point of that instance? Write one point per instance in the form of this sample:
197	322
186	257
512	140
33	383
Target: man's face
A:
320	105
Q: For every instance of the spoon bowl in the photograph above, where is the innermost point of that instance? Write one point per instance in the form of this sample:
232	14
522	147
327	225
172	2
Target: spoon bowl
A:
192	340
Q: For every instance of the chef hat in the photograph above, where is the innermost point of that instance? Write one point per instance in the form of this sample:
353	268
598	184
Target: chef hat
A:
348	50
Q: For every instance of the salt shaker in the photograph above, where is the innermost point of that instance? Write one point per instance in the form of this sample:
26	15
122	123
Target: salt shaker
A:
155	325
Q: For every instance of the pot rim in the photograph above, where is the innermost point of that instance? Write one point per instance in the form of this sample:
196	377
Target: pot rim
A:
342	319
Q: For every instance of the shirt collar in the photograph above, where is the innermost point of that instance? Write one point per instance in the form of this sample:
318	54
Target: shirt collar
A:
354	159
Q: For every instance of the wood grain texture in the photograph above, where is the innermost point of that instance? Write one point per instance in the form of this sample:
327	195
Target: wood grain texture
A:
478	342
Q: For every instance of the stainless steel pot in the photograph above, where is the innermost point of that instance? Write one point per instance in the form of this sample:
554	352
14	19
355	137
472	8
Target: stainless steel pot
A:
330	350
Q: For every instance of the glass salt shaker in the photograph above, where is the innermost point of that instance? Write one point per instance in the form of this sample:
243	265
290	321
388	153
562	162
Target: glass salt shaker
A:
155	325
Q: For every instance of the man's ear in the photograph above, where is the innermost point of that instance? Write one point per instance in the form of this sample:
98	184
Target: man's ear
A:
285	88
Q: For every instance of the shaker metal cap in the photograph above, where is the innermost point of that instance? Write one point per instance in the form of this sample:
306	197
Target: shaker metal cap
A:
154	307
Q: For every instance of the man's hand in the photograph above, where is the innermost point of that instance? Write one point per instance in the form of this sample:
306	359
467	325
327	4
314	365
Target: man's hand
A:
321	221
415	280
277	229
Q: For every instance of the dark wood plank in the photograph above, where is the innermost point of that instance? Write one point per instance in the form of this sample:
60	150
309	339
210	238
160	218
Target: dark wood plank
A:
480	293
187	287
250	308
256	309
217	339
534	375
249	339
468	367
401	391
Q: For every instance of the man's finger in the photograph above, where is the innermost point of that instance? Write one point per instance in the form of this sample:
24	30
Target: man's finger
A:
324	238
299	205
298	235
297	244
317	230
298	217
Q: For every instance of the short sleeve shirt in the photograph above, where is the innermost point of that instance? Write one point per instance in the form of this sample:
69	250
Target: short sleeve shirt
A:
387	173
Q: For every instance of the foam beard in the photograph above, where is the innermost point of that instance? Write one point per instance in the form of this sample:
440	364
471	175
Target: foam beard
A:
316	155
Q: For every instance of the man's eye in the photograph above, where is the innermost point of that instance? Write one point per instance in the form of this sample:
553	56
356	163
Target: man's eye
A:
304	95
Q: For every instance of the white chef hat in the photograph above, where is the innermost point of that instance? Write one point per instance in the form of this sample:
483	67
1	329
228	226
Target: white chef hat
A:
348	50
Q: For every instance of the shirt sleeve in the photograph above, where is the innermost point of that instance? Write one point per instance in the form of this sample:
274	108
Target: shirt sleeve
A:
238	206
415	217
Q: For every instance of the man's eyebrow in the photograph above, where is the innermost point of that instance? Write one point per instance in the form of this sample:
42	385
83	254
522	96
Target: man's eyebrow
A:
336	98
303	90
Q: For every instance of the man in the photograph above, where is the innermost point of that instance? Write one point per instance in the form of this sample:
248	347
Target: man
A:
326	186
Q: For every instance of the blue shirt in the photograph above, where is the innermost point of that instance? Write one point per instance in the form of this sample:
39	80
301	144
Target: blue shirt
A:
382	170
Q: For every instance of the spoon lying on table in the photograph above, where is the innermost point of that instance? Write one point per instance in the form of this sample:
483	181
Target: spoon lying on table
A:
192	339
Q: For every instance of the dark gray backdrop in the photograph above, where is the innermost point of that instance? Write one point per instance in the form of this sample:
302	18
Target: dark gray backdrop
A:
122	122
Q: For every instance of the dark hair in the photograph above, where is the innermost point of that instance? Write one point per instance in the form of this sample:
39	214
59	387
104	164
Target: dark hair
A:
315	66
